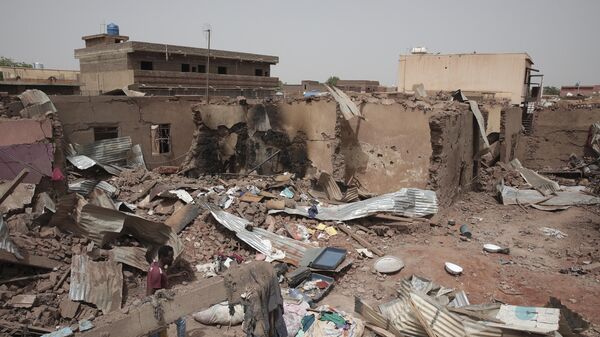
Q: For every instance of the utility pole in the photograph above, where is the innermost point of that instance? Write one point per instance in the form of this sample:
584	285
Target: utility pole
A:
208	67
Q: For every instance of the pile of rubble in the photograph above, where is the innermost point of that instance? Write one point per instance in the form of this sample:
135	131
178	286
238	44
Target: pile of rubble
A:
78	237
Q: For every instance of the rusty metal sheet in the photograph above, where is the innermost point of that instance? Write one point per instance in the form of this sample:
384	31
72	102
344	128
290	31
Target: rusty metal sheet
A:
37	158
183	217
409	202
131	256
6	243
99	283
21	196
24	131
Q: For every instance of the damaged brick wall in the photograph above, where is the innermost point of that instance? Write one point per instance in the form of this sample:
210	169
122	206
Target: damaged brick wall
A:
558	131
452	165
510	130
407	143
132	116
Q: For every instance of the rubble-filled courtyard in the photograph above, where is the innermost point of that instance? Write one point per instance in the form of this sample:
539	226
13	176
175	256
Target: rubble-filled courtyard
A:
306	217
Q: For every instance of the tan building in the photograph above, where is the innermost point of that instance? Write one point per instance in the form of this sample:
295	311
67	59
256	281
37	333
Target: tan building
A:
15	80
499	76
110	62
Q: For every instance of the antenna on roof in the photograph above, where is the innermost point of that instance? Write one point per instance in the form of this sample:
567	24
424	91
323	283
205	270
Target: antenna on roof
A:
207	29
103	27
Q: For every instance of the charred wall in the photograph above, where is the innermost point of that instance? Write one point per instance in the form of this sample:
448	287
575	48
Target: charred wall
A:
557	132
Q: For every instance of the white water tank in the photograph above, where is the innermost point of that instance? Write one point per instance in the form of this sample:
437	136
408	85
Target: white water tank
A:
418	50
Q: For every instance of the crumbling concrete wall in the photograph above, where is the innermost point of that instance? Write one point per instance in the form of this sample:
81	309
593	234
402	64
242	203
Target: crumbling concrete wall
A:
133	116
389	149
557	132
452	169
510	131
397	144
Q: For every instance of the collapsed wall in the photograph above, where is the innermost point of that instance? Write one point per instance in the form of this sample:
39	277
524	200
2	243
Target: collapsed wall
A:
398	143
87	118
557	132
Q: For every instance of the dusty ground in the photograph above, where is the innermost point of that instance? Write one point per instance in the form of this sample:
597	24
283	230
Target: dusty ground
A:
528	276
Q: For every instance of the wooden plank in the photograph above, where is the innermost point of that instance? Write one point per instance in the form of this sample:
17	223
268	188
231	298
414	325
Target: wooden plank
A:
360	240
13	184
29	260
141	321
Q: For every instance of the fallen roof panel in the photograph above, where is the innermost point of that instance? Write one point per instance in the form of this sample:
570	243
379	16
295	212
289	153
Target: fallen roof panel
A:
409	202
131	256
99	283
106	151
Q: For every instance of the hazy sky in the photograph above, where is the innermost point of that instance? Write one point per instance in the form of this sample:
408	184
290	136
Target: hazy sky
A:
316	39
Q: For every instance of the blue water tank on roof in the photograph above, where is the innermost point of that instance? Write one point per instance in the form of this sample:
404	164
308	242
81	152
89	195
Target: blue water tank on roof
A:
112	29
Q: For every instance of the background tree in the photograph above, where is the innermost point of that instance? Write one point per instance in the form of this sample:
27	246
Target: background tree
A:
551	91
332	80
8	62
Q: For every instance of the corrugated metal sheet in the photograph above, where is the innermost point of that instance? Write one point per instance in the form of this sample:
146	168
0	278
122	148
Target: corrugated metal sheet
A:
84	187
400	315
294	250
460	300
182	217
136	157
131	256
438	321
540	183
99	283
6	243
331	188
347	107
567	197
263	241
410	202
101	224
106	151
33	97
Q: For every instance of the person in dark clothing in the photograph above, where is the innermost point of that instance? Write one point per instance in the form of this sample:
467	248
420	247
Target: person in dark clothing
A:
157	279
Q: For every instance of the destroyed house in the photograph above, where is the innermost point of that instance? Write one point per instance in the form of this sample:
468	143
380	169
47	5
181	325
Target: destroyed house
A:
110	62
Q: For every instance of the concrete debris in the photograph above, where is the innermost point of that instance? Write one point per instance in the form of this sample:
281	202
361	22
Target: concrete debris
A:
76	249
23	301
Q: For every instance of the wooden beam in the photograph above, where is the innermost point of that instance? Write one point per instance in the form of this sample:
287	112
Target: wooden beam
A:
29	260
13	184
140	321
360	240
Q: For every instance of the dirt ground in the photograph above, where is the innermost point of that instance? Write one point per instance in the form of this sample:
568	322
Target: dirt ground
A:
528	276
